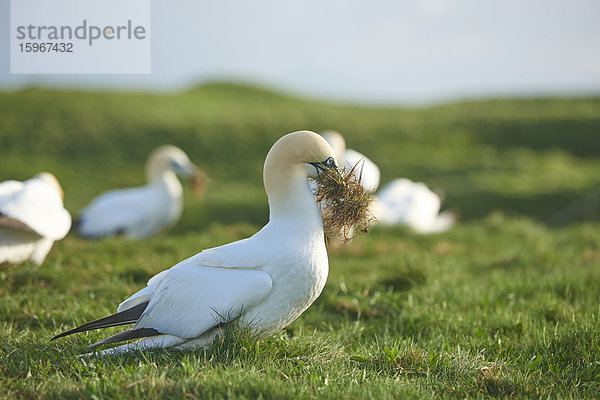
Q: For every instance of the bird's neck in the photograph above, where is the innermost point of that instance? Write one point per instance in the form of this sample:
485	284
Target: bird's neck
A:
290	197
165	180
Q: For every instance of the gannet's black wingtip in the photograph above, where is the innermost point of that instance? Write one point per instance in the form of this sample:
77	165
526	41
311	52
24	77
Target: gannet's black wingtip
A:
127	335
128	316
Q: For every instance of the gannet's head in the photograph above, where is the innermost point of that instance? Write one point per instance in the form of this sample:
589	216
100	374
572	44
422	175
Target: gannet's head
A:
290	162
171	158
337	143
303	150
52	181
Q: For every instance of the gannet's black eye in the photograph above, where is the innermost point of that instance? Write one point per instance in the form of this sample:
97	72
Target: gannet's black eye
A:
178	168
324	165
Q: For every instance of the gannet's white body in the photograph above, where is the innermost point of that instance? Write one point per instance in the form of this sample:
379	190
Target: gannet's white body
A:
366	169
141	211
404	202
266	281
32	218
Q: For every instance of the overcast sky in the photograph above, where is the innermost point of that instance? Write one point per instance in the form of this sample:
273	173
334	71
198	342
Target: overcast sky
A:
379	51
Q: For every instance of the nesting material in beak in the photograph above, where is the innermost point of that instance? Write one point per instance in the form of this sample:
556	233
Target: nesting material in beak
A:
198	181
344	203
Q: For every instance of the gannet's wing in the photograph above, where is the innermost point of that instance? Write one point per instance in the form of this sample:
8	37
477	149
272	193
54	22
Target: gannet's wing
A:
144	294
242	254
194	298
9	187
185	302
403	201
36	206
395	202
129	211
129	316
11	224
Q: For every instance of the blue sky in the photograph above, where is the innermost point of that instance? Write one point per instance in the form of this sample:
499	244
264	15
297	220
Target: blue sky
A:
410	51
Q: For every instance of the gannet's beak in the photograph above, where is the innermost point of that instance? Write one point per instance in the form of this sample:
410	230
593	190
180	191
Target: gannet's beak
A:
198	181
323	166
194	175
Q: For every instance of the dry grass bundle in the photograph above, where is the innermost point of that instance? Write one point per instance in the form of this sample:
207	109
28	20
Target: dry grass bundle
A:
198	182
344	204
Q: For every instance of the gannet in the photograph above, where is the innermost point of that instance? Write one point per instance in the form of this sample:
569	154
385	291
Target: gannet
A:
146	210
404	202
32	218
265	281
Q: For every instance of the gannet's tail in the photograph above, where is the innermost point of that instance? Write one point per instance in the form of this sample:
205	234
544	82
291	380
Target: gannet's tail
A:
148	343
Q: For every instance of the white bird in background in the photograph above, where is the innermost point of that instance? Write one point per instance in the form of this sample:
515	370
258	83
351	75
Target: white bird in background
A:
32	218
265	281
366	169
399	202
146	210
404	202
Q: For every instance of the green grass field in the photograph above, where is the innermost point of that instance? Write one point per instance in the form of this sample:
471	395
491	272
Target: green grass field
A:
507	304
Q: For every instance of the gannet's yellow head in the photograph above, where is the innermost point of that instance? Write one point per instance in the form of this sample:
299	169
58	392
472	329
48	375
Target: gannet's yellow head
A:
303	149
290	162
171	158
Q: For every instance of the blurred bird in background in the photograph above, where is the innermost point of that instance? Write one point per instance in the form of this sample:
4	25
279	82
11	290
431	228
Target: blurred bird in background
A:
32	218
401	201
146	210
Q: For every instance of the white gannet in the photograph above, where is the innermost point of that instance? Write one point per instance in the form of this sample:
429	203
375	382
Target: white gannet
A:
32	218
146	210
366	169
401	201
265	281
404	202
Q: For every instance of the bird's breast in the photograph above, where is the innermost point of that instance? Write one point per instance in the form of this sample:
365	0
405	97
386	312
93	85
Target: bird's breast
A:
296	285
